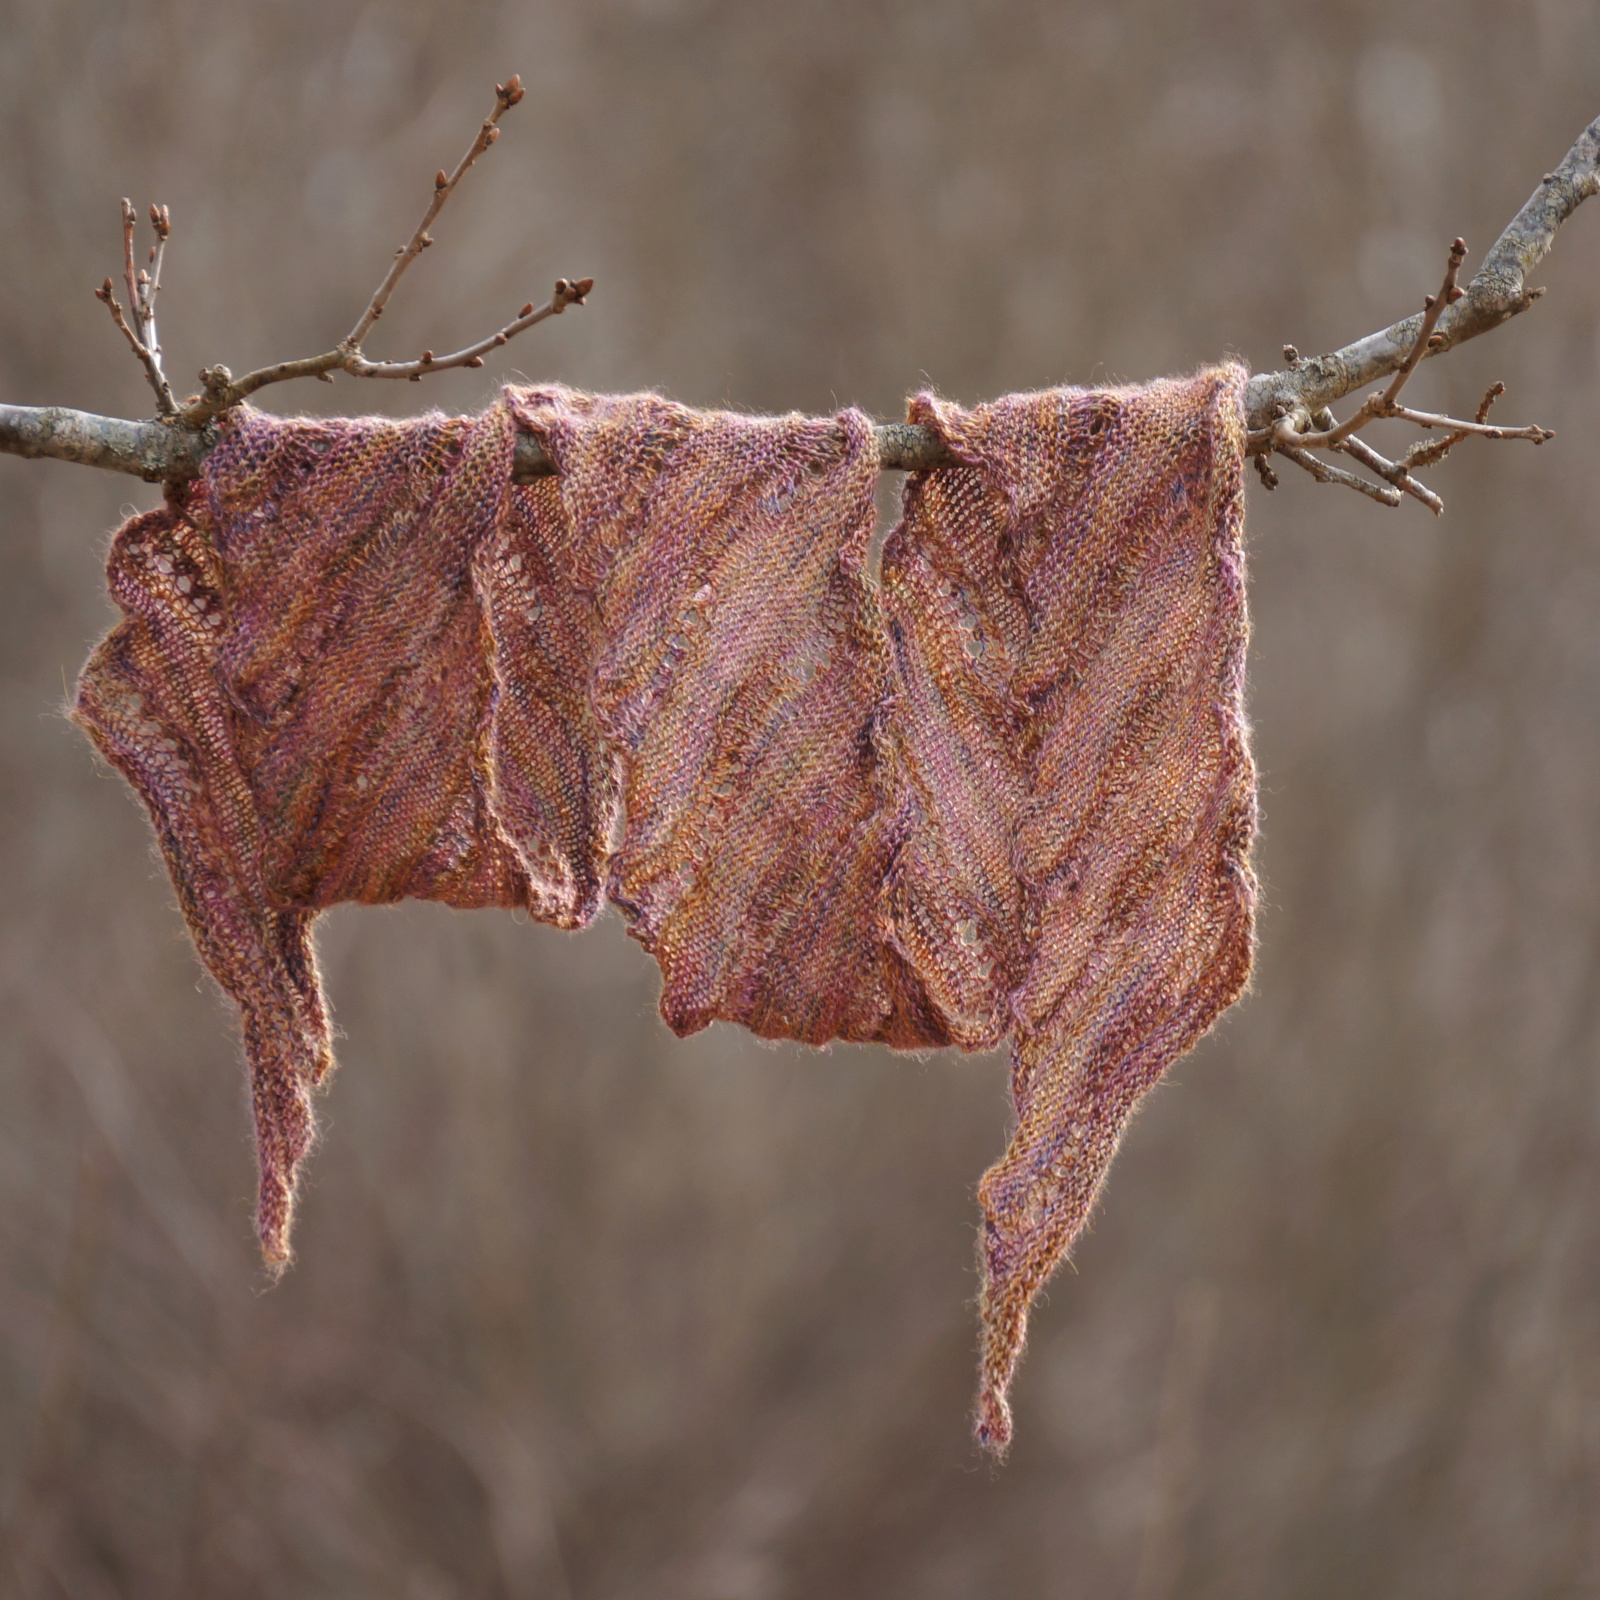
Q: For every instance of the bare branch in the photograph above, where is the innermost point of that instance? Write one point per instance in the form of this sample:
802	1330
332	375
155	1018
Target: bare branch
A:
163	450
1498	292
1323	472
141	336
154	451
904	447
1294	431
1334	435
565	294
1482	430
166	451
129	221
161	225
506	95
1277	403
220	390
1433	307
1393	472
1385	405
1426	452
147	357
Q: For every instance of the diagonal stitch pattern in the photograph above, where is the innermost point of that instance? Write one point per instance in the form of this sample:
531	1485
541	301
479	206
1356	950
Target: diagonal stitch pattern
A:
1002	792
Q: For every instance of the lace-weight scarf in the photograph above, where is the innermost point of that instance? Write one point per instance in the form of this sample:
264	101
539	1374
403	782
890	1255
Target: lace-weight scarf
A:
1002	791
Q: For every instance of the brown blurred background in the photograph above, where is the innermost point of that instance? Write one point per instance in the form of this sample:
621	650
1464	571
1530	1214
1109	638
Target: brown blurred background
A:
584	1312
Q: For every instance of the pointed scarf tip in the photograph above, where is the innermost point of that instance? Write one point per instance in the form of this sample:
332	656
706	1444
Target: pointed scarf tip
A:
275	1222
992	1426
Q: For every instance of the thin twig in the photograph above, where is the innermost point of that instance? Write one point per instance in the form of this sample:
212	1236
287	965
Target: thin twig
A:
1427	452
1481	430
506	95
1325	472
161	225
220	390
565	294
142	288
1394	473
1385	404
1391	471
147	357
1433	308
129	222
1497	293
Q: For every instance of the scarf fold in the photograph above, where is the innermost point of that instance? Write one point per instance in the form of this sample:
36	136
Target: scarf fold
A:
1003	790
1069	615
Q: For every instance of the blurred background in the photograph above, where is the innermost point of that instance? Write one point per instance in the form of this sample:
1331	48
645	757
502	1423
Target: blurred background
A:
582	1311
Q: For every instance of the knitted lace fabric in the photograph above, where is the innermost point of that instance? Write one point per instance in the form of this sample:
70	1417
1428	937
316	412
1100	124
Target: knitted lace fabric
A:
1000	791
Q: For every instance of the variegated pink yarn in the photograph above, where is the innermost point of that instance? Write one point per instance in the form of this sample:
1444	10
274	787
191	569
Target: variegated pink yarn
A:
1001	791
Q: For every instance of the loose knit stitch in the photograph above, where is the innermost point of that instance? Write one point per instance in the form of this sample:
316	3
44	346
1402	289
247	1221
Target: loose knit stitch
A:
1001	791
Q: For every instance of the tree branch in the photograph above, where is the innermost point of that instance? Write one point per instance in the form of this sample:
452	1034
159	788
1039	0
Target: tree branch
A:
160	450
1323	472
1391	471
220	390
154	451
506	95
1498	292
1294	431
566	294
142	290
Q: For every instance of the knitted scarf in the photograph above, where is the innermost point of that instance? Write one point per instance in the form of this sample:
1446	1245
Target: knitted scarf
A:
1001	790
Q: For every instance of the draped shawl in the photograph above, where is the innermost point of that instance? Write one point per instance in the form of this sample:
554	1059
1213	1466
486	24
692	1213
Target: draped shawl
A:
999	789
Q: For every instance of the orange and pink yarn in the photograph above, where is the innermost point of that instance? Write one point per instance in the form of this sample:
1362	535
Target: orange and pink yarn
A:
1000	790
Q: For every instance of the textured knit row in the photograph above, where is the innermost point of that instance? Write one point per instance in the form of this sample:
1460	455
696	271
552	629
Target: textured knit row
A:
1001	789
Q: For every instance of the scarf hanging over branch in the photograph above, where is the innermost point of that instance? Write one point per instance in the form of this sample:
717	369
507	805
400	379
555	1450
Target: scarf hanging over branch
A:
1001	791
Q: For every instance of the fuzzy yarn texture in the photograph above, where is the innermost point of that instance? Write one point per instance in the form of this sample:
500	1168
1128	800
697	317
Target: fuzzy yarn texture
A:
1002	789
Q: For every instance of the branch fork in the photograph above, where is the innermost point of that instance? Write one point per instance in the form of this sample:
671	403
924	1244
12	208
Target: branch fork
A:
220	390
143	286
1296	430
